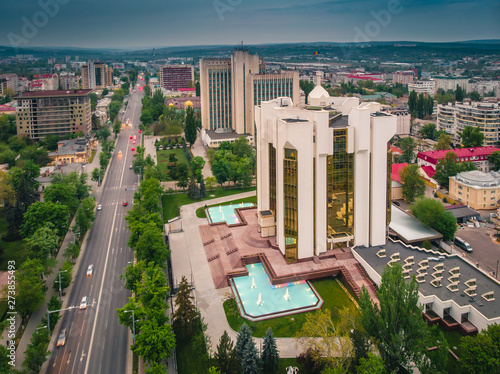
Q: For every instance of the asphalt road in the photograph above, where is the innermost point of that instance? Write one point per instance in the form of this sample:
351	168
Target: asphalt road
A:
485	250
96	342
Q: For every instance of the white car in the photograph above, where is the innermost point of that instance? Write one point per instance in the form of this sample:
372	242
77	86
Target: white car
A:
90	270
83	303
99	206
61	340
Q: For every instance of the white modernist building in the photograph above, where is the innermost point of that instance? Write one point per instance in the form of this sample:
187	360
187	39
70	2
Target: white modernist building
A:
323	175
428	87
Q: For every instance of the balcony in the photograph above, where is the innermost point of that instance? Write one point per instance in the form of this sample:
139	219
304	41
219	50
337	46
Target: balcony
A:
449	323
431	317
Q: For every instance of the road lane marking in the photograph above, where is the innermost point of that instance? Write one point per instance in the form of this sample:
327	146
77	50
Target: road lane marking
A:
100	294
73	368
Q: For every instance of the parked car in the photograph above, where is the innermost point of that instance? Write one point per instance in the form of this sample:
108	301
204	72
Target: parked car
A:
61	340
396	203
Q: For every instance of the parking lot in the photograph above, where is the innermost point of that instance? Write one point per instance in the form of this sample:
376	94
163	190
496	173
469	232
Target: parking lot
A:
485	250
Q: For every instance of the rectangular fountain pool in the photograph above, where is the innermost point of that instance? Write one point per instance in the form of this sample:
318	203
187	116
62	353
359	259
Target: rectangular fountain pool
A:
258	299
226	213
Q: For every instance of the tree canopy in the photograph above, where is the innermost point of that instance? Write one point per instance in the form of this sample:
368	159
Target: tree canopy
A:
413	185
472	137
432	213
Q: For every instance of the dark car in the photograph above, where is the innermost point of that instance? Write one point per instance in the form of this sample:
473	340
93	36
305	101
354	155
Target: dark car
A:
396	203
124	203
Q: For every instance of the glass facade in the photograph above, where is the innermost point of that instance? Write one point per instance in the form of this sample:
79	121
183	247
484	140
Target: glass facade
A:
290	195
272	178
340	187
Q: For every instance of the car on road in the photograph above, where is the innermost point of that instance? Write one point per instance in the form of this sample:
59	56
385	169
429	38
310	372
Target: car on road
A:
61	340
133	149
90	270
139	131
99	206
83	303
130	137
463	244
124	203
133	142
130	167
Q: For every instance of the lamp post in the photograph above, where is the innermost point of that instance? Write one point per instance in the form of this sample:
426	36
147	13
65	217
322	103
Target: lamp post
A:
62	271
133	323
54	311
38	328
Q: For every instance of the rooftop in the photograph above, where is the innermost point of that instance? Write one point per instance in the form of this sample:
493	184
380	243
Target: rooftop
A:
460	152
478	178
410	229
53	93
490	309
461	211
70	147
396	169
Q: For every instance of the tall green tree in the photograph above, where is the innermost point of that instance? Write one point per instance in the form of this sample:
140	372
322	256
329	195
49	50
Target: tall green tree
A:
117	126
63	193
494	159
446	168
306	86
41	212
432	213
472	137
185	317
413	185
103	133
243	337
151	246
190	129
481	353
429	131
408	147
250	362
459	93
412	103
396	324
226	358
30	290
155	343
270	355
36	353
443	142
372	364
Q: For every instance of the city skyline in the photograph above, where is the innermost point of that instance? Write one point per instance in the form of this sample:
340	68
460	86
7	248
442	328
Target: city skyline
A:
73	23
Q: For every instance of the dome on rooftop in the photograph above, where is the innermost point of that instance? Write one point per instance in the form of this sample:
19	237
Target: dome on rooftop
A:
188	103
171	104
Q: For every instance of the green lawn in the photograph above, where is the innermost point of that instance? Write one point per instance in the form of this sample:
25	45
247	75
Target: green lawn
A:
332	294
173	202
453	339
200	212
163	158
10	251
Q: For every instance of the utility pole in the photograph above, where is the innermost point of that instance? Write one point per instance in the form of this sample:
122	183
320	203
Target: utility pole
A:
54	311
62	271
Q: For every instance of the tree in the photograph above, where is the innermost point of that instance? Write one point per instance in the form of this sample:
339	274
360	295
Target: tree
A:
151	247
104	158
155	342
43	245
472	137
36	353
133	275
396	324
197	86
4	360
125	316
443	142
182	172
30	290
197	165
332	342
193	190
242	339
306	86
103	134
475	96
155	369
226	357
117	126
413	185
459	93
53	304
63	193
71	252
41	212
95	175
82	223
371	365
481	353
408	148
185	316
66	276
190	129
270	355
493	159
431	212
250	362
429	131
412	103
446	168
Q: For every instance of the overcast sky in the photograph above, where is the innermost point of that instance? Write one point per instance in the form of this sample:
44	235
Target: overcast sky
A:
163	23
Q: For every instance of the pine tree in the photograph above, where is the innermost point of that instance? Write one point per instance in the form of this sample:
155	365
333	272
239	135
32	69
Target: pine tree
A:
250	360
186	316
270	355
190	129
226	357
244	336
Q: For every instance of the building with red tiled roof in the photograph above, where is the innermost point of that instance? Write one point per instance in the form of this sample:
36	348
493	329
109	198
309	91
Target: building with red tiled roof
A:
429	171
477	155
396	170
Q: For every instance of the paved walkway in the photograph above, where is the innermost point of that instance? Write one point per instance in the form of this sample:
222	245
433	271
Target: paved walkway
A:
199	150
189	260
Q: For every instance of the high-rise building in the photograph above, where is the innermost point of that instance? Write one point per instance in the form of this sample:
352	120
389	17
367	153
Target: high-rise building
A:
453	118
451	83
403	77
42	113
323	175
3	86
173	77
96	75
427	86
231	87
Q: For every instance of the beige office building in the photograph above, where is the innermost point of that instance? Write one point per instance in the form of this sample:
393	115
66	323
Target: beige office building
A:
476	189
42	113
96	75
231	87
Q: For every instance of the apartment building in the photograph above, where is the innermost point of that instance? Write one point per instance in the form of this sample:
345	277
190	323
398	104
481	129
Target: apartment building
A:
403	77
477	155
173	77
451	83
453	118
231	87
96	75
42	113
476	189
428	87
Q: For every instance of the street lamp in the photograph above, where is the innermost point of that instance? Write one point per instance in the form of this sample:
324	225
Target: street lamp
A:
62	271
133	323
38	328
54	311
